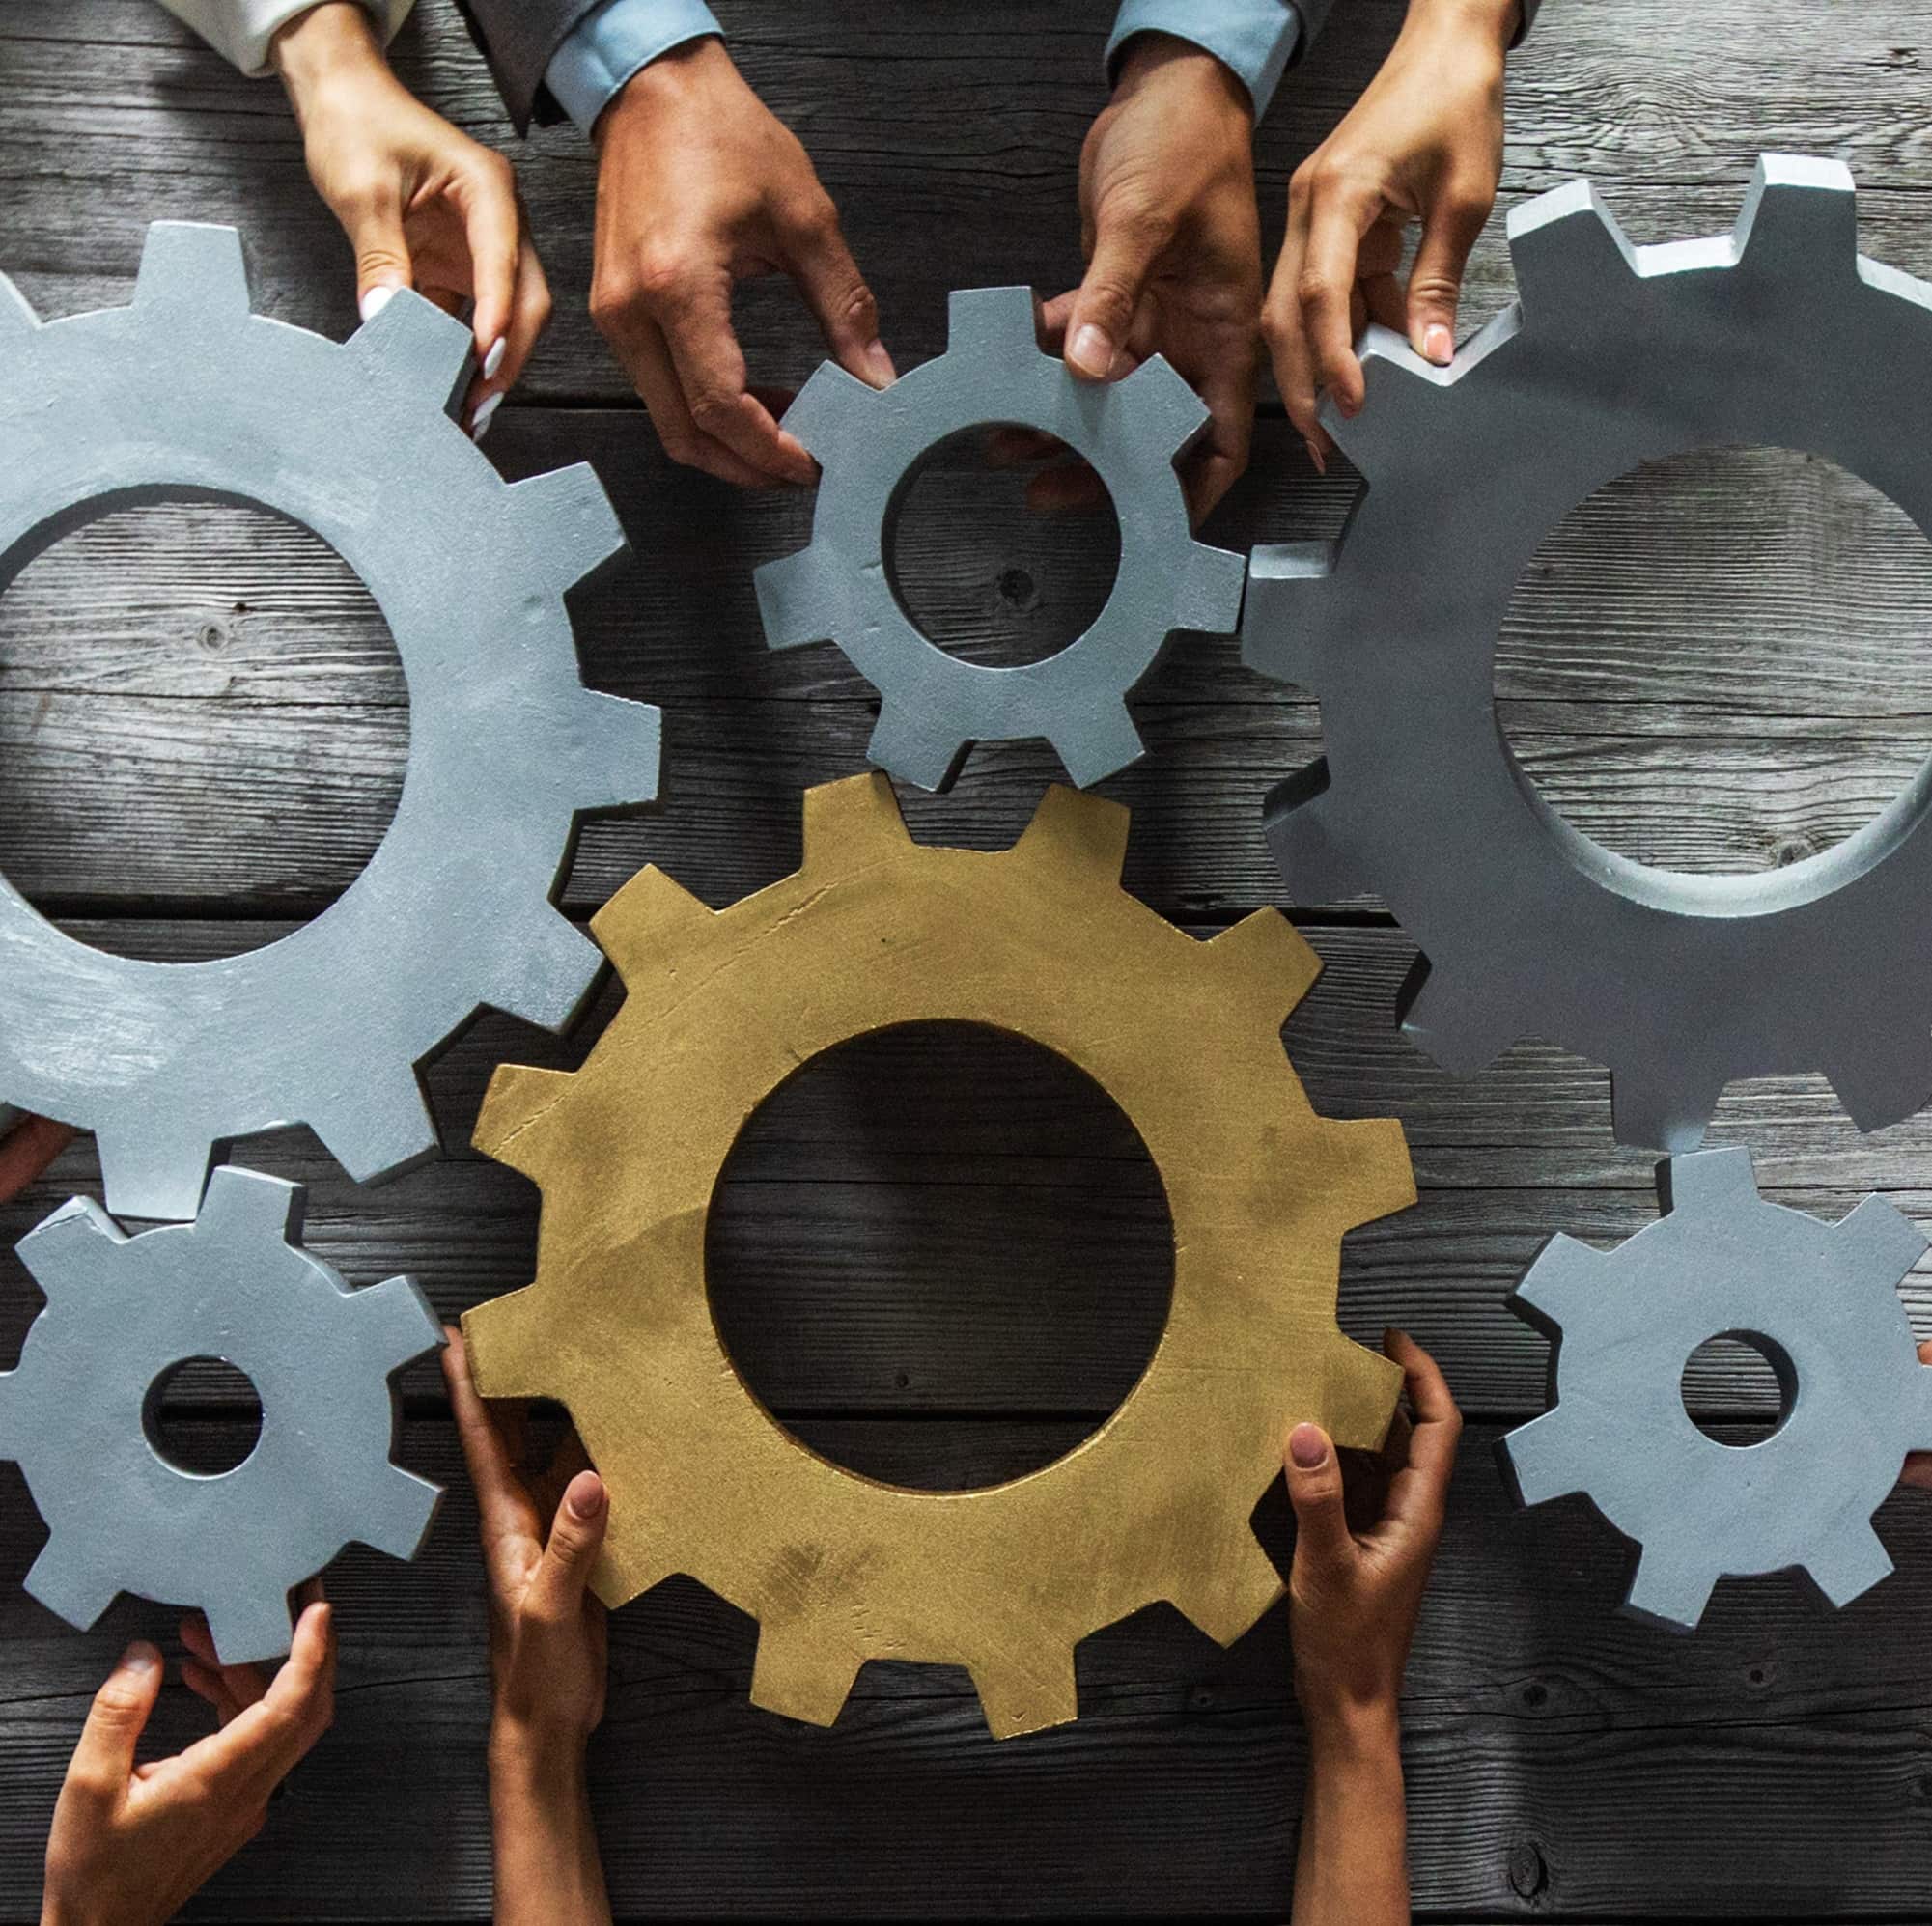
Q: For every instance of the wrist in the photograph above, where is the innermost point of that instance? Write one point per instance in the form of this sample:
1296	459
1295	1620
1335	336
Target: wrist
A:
545	1762
1486	22
1164	60
335	38
1345	1729
692	67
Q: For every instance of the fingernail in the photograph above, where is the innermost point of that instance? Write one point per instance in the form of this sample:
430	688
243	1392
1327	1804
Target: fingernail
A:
1090	350
486	411
1307	1447
1316	455
1439	345
585	1497
376	300
493	360
879	364
141	1656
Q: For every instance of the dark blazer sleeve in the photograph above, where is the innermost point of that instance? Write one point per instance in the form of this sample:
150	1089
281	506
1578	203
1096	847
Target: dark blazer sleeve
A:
517	37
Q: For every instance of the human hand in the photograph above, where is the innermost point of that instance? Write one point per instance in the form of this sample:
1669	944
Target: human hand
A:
1172	241
1918	1463
699	187
26	1150
1354	1596
1423	142
131	1842
423	205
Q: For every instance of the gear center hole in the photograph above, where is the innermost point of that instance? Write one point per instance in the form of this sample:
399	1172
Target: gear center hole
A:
985	576
219	675
1738	1387
940	1256
203	1416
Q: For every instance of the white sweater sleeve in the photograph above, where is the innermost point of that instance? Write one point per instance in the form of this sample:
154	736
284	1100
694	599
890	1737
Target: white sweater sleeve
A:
241	29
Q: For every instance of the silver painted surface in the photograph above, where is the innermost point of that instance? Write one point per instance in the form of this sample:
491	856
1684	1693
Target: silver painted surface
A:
1779	332
933	706
1821	1300
235	1284
186	394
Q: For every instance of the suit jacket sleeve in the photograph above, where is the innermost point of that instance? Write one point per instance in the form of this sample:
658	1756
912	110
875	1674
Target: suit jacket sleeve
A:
517	37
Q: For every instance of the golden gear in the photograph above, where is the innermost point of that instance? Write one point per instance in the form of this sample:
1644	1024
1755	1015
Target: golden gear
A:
874	930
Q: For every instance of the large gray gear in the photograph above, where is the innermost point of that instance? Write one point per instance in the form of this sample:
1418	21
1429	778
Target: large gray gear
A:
235	1284
1779	332
187	394
933	705
1820	1299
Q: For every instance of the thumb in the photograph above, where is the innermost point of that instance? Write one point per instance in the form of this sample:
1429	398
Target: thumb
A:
576	1537
104	1759
1315	1490
1109	293
374	225
1436	281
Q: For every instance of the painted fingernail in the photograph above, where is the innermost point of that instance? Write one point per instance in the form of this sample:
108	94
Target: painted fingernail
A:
1439	345
493	360
486	413
376	300
141	1656
585	1497
1306	1446
1090	350
1316	455
879	364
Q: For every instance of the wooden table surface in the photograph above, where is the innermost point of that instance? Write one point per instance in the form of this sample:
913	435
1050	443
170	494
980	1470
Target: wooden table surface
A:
941	1258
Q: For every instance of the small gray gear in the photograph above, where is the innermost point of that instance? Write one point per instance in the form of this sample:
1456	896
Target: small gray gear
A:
1820	1300
933	705
186	394
235	1284
1779	332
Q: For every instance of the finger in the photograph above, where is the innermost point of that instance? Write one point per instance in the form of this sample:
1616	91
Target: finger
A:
1286	334
504	1511
1322	1537
710	373
1016	447
1418	1492
1072	488
1918	1470
486	196
104	1758
240	1685
576	1536
838	296
373	219
1449	230
1339	219
1383	302
33	1143
1053	318
502	366
262	1743
646	356
1926	1351
1220	457
1126	247
208	1685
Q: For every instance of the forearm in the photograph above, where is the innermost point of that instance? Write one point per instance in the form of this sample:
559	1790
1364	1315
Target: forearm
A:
1352	1864
548	1870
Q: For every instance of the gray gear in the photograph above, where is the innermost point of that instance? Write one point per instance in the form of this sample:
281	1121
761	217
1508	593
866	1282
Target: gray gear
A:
933	705
1820	1299
188	395
1778	332
121	1311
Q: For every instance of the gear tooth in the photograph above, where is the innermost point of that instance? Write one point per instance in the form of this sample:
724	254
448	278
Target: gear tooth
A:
914	751
803	1670
1300	820
1279	629
414	344
1538	1462
1707	1179
1568	251
1647	1113
64	1252
1098	742
1887	1239
1886	1084
1561	1277
249	1631
1382	1180
570	518
1448	1020
1363	1386
1268	949
823	413
651	915
1800	216
617	747
1027	1691
193	265
1168	413
249	1204
794	605
853	823
1849	1562
16	312
519	1095
505	1339
546	975
68	1586
1211	593
146	1175
395	1517
380	1128
1668	1592
992	320
1400	389
1226	1597
395	1324
1086	833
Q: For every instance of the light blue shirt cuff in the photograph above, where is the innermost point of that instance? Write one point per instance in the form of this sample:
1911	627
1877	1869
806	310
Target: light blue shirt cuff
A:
1253	38
608	46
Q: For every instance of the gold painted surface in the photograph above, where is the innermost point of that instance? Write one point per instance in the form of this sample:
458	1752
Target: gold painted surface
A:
721	1008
